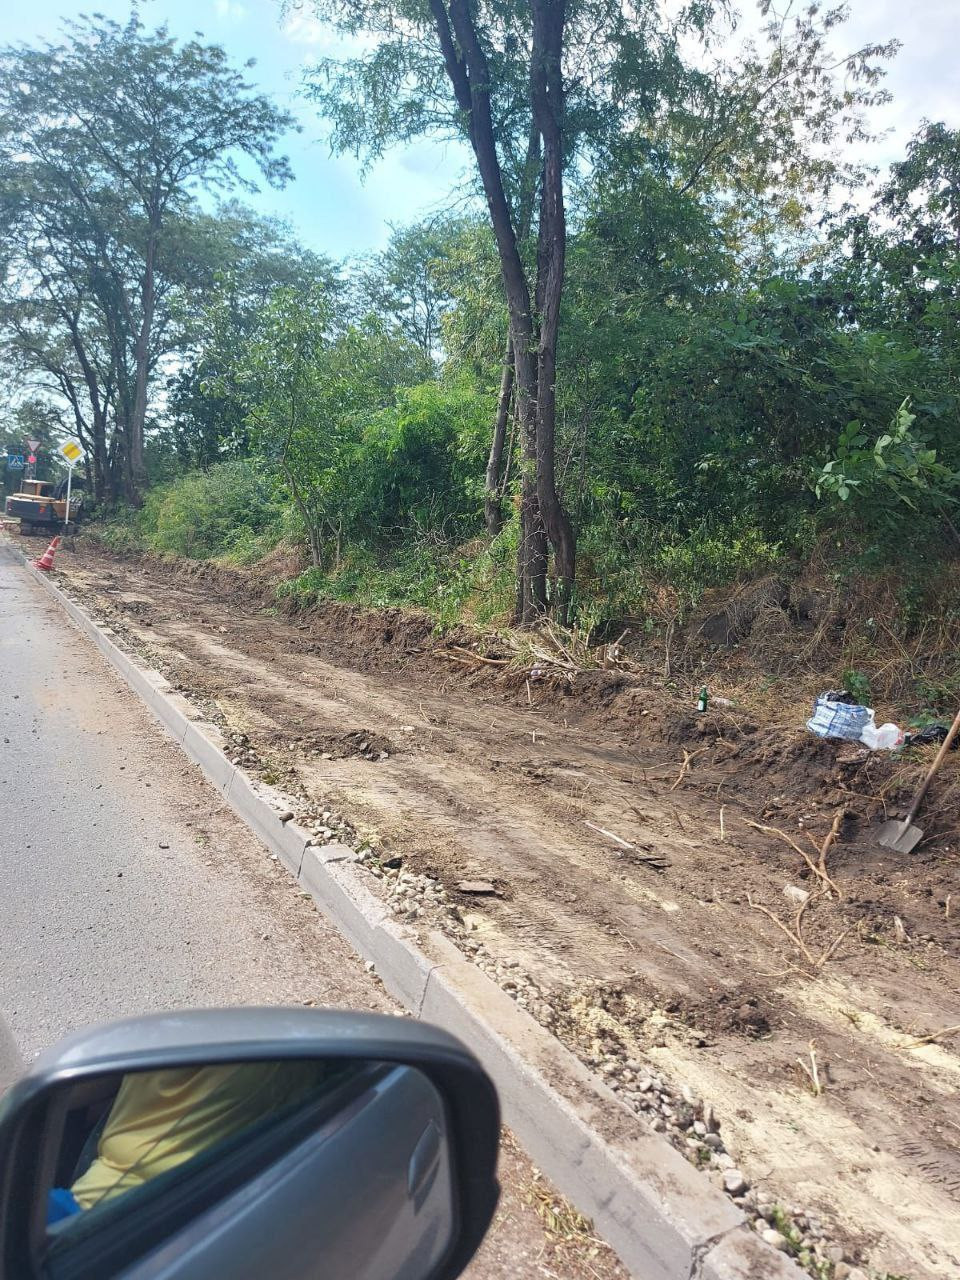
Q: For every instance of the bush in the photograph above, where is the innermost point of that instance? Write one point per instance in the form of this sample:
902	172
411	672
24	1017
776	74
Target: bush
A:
231	510
419	468
889	483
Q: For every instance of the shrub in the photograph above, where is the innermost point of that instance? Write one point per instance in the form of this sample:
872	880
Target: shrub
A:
230	510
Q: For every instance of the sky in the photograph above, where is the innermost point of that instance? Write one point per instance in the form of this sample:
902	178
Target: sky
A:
337	211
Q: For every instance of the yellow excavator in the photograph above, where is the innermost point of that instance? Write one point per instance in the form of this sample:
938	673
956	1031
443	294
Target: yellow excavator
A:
41	506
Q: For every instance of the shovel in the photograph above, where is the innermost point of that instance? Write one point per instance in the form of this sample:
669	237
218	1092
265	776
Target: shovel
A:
901	835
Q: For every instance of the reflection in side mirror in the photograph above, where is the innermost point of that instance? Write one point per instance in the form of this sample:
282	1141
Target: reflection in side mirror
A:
286	1167
367	1138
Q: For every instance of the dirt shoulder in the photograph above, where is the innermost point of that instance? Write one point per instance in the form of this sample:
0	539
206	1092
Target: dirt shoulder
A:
589	840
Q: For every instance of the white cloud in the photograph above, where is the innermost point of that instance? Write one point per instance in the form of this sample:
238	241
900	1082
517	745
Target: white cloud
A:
230	10
319	39
922	77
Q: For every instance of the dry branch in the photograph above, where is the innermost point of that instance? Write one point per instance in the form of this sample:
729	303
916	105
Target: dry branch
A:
685	767
818	870
794	936
796	933
811	1072
932	1038
824	849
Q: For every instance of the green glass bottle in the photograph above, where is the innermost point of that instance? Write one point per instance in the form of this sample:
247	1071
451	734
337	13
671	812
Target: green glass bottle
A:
702	700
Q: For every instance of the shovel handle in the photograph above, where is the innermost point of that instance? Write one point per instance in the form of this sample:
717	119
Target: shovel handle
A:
944	748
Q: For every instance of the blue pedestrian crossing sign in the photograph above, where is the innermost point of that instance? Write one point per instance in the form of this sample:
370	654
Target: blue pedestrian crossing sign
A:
15	462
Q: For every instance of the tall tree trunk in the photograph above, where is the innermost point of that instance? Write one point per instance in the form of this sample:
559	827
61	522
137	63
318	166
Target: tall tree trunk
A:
136	423
466	66
98	412
492	498
532	549
546	85
493	507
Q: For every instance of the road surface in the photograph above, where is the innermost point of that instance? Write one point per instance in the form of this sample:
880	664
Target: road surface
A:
129	886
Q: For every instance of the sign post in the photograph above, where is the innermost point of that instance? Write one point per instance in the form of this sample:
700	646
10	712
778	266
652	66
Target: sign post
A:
71	454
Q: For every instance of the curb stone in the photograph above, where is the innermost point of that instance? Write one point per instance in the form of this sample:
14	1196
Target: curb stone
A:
661	1216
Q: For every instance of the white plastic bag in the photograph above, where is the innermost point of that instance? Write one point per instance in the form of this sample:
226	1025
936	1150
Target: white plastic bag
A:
882	737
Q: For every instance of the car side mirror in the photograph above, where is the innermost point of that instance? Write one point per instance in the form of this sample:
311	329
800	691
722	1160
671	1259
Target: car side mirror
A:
294	1144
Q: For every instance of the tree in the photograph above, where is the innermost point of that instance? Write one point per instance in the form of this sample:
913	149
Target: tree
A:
533	85
308	393
243	260
105	138
32	419
403	282
460	36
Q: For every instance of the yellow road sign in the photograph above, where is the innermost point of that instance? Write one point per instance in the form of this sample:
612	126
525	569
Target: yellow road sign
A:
71	452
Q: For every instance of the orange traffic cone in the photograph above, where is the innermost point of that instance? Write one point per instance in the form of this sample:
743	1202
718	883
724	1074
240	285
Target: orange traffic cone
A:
46	560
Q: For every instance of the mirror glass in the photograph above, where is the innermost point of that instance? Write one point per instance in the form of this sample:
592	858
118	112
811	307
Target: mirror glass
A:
344	1161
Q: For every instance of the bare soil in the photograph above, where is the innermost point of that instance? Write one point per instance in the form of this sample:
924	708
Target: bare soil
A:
568	793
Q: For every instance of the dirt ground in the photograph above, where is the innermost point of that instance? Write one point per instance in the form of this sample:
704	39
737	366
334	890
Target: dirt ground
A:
626	899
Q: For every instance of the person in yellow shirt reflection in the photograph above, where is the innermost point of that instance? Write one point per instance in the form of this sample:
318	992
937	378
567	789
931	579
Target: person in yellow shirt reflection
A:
161	1119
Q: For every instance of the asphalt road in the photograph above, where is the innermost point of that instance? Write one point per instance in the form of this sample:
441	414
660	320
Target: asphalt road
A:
127	885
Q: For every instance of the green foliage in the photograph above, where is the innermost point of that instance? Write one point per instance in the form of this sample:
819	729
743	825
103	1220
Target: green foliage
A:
405	281
308	393
106	139
231	511
419	465
448	583
724	364
247	259
858	684
888	485
877	476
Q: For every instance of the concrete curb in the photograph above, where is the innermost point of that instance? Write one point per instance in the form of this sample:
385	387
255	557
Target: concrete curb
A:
663	1218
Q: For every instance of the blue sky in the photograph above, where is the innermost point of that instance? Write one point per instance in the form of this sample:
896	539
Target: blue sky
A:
329	205
338	213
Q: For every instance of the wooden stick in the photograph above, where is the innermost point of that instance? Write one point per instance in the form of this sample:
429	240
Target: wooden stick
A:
811	1071
685	767
832	948
625	844
493	662
775	831
795	938
935	1035
654	860
822	877
831	837
722	837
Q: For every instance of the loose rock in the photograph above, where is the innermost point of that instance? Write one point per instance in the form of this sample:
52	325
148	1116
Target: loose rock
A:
476	886
734	1183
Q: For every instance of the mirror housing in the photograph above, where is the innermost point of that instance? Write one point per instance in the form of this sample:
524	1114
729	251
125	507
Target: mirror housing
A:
435	1073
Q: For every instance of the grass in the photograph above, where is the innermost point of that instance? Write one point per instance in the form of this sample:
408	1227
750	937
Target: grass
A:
891	634
451	585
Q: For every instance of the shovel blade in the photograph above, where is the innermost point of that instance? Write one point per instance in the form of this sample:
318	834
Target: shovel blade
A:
899	835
